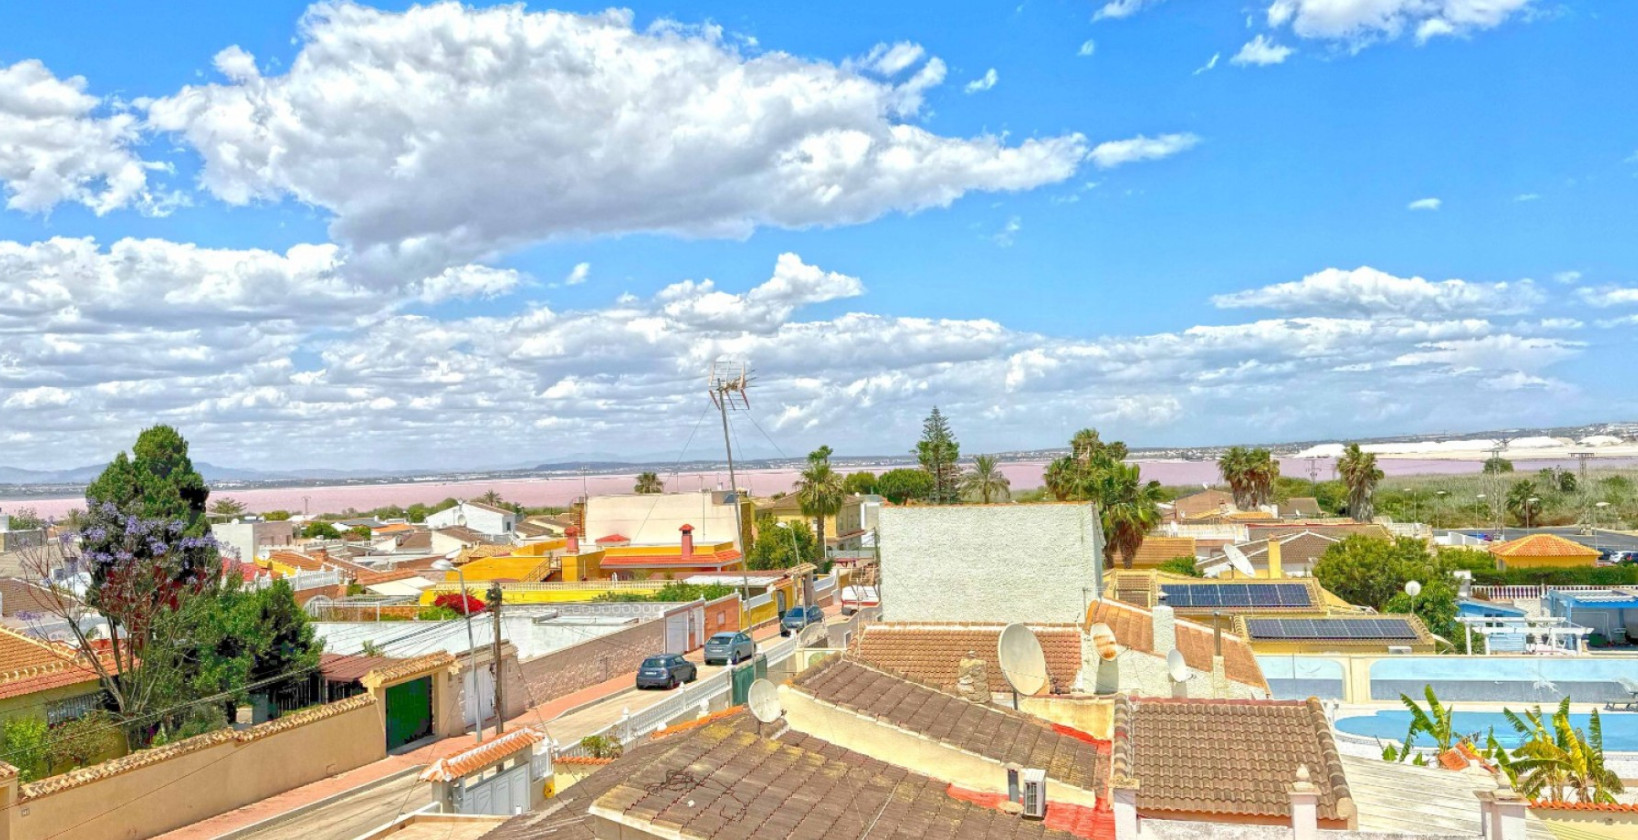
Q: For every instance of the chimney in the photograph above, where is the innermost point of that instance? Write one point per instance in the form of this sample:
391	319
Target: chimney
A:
1501	814
687	541
573	535
1276	570
1165	628
1123	794
1304	807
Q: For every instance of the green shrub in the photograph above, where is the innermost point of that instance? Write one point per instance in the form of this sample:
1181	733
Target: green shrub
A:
1180	566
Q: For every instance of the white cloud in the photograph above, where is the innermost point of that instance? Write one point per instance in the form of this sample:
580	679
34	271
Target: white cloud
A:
1567	277
1115	153
257	355
578	274
1359	23
501	127
1424	204
1121	8
1210	64
1261	51
984	82
1367	291
54	147
469	281
1605	297
895	59
1008	232
1523	197
1088	47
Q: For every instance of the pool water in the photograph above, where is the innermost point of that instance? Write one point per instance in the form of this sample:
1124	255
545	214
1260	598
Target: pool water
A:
1620	728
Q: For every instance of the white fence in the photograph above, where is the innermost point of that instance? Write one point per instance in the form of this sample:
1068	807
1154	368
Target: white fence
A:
1520	593
300	580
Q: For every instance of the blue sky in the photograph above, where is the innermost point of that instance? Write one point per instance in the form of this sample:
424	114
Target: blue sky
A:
1256	276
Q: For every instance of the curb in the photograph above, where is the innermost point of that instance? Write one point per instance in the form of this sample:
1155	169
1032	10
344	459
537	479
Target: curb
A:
310	807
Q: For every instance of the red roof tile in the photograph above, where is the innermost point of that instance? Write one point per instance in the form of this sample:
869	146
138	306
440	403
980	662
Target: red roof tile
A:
461	764
1542	545
931	652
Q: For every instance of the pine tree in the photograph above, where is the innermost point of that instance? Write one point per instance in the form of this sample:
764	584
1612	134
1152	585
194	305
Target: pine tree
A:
938	453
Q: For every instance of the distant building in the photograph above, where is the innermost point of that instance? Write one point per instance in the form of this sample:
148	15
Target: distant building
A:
1035	563
248	539
653	519
485	519
1539	551
44	680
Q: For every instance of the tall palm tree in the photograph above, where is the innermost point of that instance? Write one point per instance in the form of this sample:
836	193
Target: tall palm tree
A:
1265	470
1060	477
985	481
649	483
1359	474
1236	467
819	491
1130	508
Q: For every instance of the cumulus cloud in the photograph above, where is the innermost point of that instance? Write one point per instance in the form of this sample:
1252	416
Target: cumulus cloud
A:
1113	153
259	354
1358	24
57	145
1088	47
469	281
1605	297
1567	277
1424	204
578	274
984	82
500	127
1121	8
1261	51
1368	291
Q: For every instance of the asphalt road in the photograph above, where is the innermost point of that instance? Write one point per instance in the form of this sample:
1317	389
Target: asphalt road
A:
352	815
1599	539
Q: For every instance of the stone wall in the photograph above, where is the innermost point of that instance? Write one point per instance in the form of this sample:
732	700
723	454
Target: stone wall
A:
154	791
1035	563
592	661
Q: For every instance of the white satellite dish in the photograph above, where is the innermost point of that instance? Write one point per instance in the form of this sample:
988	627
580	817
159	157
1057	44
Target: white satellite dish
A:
1023	662
1177	666
763	699
1237	559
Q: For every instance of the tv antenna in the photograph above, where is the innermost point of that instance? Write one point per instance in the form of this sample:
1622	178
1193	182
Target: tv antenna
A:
1238	560
763	699
727	383
1023	662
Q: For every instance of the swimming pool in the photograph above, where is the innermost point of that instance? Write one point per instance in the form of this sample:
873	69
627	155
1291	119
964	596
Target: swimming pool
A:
1620	728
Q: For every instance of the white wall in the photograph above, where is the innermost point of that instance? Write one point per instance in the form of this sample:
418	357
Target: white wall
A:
1036	563
654	519
247	537
482	520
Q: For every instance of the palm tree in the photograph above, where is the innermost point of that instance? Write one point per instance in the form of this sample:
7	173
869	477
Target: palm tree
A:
1555	761
819	491
1264	472
649	483
985	481
1236	468
1522	501
1360	474
1060	477
1130	508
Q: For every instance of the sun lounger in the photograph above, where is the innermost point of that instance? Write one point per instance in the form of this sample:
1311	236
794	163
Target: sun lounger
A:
1630	686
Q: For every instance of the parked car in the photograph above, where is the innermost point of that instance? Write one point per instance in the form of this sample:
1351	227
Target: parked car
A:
797	618
667	670
855	598
729	648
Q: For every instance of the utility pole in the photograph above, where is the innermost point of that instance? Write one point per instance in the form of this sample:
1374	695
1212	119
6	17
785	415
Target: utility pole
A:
727	389
495	597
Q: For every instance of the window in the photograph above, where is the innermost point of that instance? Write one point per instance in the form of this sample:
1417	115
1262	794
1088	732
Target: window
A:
60	711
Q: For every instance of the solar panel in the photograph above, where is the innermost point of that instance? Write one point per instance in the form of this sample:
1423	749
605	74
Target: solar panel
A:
1264	595
1236	595
1293	595
1331	629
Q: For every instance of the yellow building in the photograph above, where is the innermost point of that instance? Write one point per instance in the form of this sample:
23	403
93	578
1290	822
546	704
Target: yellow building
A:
44	680
1543	551
786	508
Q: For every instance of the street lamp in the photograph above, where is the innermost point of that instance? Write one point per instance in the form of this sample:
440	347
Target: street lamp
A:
1413	589
471	643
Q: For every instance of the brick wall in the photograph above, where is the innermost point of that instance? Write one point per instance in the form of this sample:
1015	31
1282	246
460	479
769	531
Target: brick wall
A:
592	661
722	615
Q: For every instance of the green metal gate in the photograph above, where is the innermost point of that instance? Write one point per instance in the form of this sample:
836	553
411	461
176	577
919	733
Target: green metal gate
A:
747	673
409	712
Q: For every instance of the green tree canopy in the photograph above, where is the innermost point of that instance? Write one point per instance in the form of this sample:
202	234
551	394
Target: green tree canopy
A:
782	548
938	452
859	484
1497	464
649	483
1360	473
905	485
985	483
819	490
320	531
157	481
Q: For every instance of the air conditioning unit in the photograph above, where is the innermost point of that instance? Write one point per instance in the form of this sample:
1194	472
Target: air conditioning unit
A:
1398	650
1034	784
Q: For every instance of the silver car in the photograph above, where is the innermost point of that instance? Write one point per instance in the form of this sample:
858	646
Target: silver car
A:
729	648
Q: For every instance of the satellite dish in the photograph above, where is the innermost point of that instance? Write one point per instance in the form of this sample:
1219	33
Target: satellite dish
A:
1237	559
1177	666
1023	662
1103	639
763	699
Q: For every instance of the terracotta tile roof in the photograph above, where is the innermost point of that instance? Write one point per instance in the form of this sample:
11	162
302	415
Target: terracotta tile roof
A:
295	560
31	666
1079	820
1304	506
1606	807
406	667
450	768
394	528
930	652
1157	550
1227	757
724	782
613	538
698	558
464	534
1198	504
1134	628
341	667
21	596
1542	545
419	540
987	730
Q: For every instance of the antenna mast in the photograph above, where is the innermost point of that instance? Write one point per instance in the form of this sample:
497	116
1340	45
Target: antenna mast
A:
727	383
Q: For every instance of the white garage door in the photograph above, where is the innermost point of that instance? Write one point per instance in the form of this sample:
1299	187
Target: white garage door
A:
676	632
507	793
484	696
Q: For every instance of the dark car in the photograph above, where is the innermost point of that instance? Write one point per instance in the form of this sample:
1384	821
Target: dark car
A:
797	618
729	648
668	670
